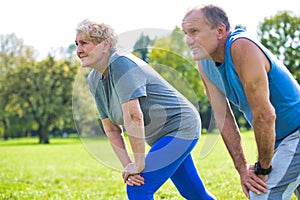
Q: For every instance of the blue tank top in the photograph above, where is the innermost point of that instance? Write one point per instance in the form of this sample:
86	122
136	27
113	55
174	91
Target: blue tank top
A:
284	89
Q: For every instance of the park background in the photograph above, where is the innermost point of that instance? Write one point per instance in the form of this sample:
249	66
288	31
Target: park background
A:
40	84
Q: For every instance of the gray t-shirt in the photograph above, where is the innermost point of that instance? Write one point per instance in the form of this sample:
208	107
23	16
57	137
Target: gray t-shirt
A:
165	110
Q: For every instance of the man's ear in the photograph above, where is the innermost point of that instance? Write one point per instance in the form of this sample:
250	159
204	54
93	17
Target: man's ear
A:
221	31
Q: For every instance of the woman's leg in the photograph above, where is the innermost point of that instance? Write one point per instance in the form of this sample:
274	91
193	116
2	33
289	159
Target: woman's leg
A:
189	183
162	161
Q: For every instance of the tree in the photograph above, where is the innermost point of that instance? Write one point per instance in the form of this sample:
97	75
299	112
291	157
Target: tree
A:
141	47
13	54
240	26
45	93
85	114
172	59
34	95
280	34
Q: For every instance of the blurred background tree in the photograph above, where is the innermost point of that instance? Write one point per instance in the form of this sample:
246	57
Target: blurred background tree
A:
14	54
281	35
36	96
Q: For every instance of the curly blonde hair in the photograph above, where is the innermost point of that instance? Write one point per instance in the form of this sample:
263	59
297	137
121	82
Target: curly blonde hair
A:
96	32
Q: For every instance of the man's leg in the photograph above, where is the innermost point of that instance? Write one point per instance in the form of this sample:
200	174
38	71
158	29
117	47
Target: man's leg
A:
285	176
297	192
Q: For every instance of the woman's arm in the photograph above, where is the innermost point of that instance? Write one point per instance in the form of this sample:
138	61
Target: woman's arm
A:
116	139
134	125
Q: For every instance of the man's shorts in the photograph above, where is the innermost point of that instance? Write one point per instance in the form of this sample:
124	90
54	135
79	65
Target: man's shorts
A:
285	176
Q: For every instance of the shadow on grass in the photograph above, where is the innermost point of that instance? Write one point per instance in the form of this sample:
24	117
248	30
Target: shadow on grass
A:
28	141
35	141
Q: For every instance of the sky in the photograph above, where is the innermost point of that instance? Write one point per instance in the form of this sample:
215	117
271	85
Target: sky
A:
47	25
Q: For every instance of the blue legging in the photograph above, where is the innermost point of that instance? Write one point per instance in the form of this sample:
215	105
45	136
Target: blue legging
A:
170	157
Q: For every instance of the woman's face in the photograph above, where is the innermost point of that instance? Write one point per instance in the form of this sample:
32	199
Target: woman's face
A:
85	51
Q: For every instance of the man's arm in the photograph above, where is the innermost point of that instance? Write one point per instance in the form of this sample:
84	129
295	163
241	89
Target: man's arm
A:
225	122
252	66
227	125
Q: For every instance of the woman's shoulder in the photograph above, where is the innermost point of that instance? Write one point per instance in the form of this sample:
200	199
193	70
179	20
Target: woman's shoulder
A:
123	63
124	59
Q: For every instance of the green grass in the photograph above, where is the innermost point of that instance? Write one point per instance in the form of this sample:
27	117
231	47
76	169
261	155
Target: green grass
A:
66	170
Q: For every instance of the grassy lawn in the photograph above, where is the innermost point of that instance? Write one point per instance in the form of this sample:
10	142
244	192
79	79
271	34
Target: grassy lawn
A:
66	170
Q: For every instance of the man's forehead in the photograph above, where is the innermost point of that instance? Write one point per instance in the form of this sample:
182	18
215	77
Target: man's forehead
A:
196	13
192	17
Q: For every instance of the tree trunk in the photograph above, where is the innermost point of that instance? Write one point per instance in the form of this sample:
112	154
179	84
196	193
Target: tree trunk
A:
5	136
43	134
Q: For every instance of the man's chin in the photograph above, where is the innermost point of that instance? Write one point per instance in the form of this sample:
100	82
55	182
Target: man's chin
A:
197	57
201	57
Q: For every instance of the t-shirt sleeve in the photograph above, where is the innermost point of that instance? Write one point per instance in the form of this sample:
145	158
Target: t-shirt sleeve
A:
129	79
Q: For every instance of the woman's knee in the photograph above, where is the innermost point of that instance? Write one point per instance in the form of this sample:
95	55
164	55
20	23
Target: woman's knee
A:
138	192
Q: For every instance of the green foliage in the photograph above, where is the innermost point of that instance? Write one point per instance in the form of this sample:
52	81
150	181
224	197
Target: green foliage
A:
13	54
85	114
280	34
36	95
171	58
141	47
47	89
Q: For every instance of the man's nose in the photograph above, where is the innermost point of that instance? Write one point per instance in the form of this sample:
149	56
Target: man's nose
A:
189	40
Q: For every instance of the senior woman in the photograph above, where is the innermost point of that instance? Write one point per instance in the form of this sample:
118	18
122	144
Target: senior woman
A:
129	94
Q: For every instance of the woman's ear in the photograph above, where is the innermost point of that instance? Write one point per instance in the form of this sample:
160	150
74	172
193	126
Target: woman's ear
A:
106	45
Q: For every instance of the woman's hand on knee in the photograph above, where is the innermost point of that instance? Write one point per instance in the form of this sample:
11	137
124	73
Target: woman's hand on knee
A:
131	175
135	180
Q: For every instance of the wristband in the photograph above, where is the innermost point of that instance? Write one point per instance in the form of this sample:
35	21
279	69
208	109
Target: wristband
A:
261	171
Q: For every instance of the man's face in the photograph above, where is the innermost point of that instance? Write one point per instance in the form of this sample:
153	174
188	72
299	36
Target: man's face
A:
200	37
